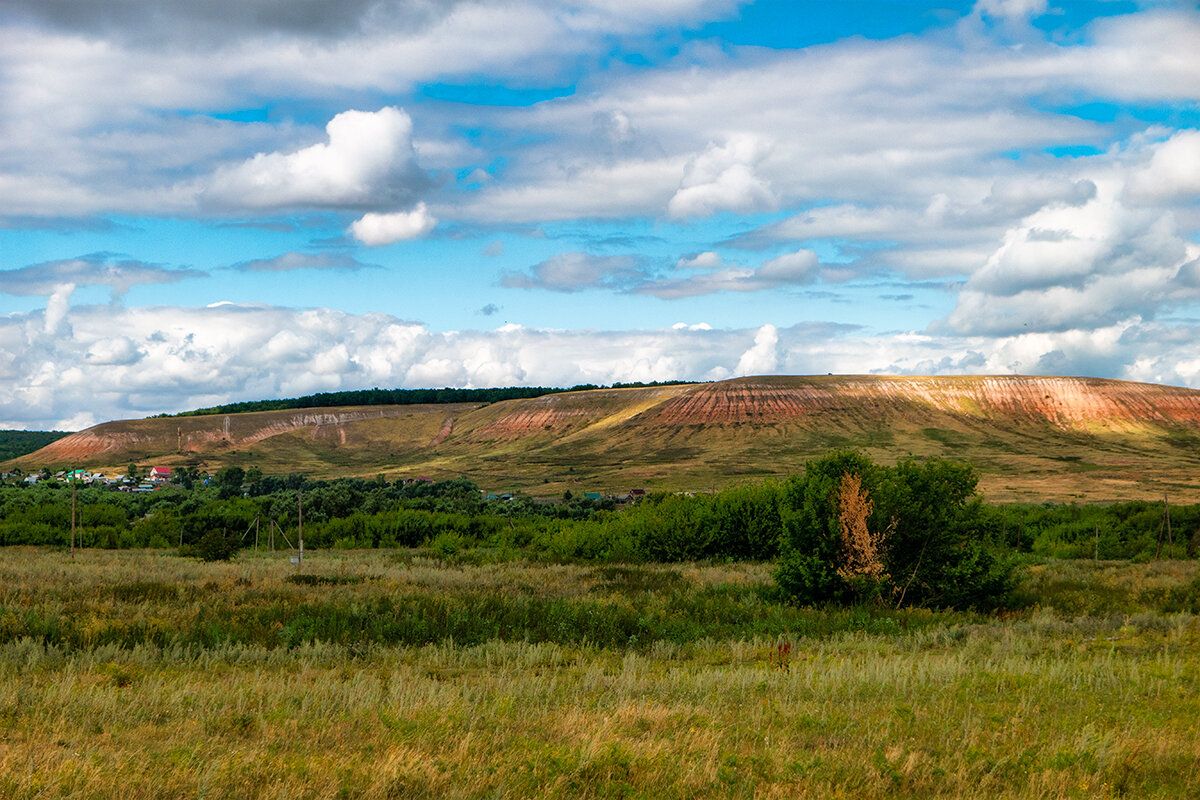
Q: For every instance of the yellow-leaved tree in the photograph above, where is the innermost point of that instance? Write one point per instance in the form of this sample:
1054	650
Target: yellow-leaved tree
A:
862	550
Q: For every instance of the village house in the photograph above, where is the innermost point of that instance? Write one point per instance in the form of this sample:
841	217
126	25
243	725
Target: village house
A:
159	474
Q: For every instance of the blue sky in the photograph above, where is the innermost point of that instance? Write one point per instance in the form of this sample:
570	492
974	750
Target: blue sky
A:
203	202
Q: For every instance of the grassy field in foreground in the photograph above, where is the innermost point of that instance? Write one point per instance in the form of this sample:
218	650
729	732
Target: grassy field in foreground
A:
385	675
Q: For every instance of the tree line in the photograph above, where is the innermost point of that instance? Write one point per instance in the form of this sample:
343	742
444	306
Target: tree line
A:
17	443
405	397
847	530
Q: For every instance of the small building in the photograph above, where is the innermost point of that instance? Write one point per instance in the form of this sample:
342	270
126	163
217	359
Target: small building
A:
160	474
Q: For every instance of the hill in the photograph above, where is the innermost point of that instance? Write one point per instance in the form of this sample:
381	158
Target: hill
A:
1032	438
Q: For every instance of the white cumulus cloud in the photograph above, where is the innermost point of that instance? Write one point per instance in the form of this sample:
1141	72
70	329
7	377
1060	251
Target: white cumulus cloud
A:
381	229
574	272
1080	267
1173	171
762	358
723	178
708	273
368	160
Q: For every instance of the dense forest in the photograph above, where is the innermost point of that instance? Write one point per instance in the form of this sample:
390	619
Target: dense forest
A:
405	397
18	443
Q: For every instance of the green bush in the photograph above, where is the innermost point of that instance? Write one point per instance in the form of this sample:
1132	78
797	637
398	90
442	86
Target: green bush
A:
216	546
448	544
105	536
160	525
588	541
936	539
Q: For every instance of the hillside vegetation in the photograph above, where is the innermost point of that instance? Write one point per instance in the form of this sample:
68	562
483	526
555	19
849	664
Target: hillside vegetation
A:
400	397
1031	438
17	443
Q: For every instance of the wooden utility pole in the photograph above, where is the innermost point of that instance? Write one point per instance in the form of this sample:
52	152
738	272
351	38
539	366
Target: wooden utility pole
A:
1158	542
1167	517
1164	525
72	517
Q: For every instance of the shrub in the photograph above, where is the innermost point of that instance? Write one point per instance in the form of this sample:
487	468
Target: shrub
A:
216	546
105	536
448	544
913	534
747	523
161	525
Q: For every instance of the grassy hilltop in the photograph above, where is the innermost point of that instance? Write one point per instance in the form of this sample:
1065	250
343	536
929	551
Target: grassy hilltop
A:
1030	437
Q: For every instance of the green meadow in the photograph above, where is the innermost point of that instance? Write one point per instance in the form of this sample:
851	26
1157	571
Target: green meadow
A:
395	674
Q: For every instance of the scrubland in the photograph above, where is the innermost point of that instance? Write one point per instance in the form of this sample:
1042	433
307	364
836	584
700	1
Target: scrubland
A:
385	674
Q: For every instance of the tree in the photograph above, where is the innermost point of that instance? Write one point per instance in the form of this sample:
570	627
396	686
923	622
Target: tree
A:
185	476
746	522
253	476
229	481
862	553
913	534
217	546
812	529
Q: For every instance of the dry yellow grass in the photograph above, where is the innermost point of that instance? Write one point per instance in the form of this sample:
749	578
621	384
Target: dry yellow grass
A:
993	714
1036	706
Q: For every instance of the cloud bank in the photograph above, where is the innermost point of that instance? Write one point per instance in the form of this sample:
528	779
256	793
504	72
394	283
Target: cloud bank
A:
102	363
